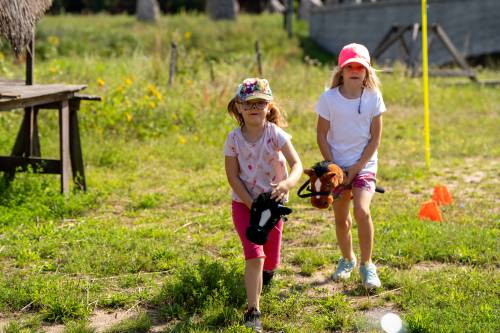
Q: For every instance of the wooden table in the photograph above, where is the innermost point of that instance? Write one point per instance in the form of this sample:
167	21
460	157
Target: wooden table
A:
26	150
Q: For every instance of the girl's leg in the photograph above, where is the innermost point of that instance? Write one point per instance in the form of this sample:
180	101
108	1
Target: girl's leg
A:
343	224
362	200
254	255
253	281
272	248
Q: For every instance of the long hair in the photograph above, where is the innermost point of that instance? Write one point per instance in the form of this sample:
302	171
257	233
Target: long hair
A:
371	79
274	114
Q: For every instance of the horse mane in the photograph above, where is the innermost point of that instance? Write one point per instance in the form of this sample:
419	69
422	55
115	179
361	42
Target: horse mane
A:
321	168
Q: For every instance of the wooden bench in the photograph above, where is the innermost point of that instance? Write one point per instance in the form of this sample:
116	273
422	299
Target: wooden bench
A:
26	150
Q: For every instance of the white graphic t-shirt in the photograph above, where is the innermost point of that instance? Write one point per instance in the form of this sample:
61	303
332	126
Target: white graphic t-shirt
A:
261	162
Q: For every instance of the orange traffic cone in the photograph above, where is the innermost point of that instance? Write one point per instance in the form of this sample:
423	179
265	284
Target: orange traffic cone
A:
430	210
441	195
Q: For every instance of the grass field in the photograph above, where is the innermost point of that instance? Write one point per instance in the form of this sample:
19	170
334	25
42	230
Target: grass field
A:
152	240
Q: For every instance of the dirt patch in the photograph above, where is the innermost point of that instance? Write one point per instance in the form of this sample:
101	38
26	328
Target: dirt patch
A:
4	321
59	328
102	320
319	282
428	266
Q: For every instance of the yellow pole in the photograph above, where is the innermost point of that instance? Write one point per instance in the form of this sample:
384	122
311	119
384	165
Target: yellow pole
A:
425	77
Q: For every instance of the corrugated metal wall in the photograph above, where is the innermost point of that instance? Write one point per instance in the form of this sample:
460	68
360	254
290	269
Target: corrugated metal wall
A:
472	25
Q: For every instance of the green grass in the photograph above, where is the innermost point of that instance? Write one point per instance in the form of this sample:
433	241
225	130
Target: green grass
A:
154	230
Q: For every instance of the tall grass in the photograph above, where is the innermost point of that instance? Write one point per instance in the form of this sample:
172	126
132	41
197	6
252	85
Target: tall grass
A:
154	228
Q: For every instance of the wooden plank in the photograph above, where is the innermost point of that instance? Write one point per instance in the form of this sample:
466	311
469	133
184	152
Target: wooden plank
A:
64	145
33	101
39	165
383	41
389	41
87	97
454	52
20	95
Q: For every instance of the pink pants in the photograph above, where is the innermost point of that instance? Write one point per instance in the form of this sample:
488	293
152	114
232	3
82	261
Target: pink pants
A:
271	251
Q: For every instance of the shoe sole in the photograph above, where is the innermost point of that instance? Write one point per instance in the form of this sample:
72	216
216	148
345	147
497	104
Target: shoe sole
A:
371	286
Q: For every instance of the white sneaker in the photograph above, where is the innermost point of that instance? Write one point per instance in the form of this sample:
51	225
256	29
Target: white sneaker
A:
369	276
344	269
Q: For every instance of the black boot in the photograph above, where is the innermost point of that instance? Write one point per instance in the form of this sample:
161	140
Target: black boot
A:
267	276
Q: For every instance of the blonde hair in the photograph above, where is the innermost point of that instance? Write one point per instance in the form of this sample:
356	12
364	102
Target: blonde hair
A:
274	115
371	79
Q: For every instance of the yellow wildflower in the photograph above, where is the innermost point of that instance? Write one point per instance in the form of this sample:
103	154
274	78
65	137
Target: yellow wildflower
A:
155	92
100	82
53	40
182	140
152	105
129	81
129	116
187	35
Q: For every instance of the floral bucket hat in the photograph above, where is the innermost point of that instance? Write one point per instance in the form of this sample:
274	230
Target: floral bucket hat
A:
254	88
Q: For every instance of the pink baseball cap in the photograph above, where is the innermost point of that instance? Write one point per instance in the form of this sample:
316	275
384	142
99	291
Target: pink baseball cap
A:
354	53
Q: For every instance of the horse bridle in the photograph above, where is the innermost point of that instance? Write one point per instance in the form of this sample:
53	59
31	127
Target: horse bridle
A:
311	192
319	169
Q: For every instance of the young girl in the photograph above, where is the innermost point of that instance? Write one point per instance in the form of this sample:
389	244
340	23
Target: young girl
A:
256	153
349	130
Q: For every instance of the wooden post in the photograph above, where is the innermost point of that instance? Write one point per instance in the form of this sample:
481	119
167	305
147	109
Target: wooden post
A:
173	59
258	56
64	145
32	146
75	146
212	72
30	60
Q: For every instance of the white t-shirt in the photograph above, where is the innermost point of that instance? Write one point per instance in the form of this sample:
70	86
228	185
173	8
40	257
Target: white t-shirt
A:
261	162
349	130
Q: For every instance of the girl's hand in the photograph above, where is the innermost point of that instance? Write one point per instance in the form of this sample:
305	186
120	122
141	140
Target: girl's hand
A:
351	173
279	190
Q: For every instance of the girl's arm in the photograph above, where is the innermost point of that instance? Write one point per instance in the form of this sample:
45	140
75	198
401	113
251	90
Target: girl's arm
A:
370	149
232	172
322	129
282	188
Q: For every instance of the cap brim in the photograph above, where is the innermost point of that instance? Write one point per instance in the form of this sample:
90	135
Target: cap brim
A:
258	96
360	61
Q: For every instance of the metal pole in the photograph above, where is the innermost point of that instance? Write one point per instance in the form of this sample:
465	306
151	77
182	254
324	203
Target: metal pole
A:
425	77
